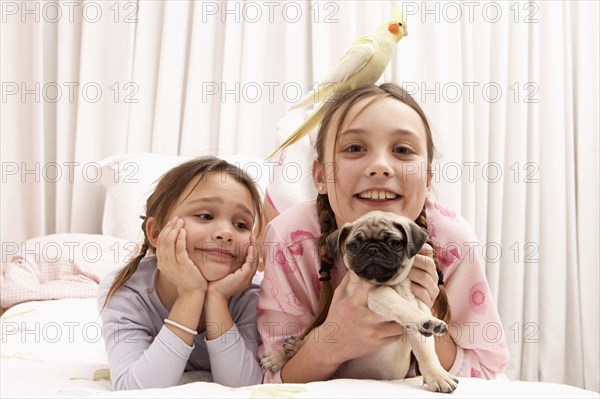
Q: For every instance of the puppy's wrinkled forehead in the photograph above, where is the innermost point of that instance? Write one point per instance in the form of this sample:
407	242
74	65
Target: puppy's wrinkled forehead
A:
374	227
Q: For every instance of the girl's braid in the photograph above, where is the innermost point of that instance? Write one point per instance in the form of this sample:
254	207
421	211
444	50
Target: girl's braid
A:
328	226
441	307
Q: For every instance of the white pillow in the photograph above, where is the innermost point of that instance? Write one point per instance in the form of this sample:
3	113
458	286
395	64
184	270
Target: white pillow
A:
130	179
56	266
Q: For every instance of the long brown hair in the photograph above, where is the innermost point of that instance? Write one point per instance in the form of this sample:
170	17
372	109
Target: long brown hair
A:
338	113
164	198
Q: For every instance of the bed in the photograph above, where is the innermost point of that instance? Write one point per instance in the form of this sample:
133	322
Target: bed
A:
50	328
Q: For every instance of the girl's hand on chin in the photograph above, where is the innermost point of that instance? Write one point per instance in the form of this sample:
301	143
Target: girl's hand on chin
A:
240	279
173	260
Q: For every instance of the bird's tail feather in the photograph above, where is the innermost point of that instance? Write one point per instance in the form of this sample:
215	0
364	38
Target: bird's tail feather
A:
325	93
305	128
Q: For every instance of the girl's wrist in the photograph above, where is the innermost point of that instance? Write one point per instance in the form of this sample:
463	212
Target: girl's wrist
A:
216	295
328	348
191	293
316	361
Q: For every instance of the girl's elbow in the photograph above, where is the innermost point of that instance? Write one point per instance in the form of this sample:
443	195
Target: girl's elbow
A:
491	373
119	385
125	382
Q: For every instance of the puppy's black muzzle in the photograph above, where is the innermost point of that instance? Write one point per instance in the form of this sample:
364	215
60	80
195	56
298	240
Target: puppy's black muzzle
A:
375	262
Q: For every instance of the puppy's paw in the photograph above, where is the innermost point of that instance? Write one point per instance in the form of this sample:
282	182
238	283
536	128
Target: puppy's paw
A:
292	345
432	327
441	381
273	361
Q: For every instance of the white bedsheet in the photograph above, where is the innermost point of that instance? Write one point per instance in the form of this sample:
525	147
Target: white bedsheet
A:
54	349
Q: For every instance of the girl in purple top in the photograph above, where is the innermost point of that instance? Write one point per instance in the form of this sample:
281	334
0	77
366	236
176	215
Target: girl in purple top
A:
186	301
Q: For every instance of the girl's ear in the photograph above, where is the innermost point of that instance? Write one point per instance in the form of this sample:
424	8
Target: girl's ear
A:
152	231
318	175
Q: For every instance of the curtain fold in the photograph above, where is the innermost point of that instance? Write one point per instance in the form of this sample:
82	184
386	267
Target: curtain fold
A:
586	126
510	88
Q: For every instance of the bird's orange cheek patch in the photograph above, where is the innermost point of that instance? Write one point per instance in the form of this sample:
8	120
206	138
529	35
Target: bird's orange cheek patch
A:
394	29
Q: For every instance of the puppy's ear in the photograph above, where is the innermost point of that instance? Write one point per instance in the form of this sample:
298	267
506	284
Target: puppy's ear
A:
416	237
335	240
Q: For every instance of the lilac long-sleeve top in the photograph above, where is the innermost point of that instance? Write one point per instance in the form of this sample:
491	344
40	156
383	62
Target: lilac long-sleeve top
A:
289	294
143	353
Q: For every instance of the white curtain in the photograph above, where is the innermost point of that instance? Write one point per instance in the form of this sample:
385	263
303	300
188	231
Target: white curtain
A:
511	90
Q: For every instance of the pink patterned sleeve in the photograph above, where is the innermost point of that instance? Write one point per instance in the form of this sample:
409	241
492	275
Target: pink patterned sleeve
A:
475	327
288	294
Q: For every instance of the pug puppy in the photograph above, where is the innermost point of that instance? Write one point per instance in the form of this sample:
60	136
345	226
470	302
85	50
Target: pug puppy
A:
379	247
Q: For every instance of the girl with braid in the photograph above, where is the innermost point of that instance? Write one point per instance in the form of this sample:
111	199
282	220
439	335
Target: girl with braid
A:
374	152
187	301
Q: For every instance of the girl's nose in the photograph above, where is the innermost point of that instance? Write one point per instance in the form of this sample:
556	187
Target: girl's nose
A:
223	232
380	165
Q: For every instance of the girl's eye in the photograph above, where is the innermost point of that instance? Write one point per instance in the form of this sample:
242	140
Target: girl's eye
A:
204	216
402	150
353	148
241	225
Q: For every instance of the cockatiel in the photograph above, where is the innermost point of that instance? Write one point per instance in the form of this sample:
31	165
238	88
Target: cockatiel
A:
362	64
